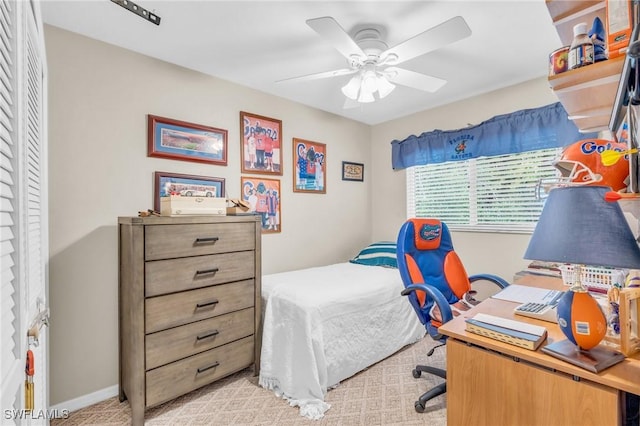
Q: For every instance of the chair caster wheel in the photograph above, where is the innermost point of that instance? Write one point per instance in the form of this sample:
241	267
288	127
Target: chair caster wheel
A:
416	374
419	407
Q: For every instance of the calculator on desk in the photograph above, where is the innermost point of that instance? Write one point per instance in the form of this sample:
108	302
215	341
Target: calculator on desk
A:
541	311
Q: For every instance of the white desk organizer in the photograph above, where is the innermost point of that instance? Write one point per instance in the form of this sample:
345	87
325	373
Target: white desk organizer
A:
594	277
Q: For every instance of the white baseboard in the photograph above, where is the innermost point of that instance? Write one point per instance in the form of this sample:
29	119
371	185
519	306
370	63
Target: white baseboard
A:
87	400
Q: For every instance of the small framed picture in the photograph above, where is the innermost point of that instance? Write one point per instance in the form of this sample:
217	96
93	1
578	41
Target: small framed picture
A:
352	171
310	166
263	197
179	140
261	141
166	184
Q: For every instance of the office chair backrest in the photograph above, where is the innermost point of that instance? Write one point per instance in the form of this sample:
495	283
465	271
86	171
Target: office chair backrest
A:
426	255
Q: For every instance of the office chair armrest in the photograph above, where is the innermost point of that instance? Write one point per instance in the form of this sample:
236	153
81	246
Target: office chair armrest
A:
500	282
436	295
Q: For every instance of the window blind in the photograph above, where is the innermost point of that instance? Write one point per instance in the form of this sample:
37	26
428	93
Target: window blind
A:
495	193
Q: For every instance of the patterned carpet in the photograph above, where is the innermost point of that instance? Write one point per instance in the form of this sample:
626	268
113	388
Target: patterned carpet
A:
383	394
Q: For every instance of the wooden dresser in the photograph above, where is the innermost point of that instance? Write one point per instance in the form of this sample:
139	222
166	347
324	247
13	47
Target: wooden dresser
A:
189	304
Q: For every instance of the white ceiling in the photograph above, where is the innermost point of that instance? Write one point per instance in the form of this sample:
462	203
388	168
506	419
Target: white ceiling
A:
256	43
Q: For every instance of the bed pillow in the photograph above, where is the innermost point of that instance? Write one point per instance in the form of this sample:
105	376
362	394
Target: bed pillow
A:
382	253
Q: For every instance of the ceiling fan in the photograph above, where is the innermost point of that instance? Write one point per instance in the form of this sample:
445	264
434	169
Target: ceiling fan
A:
374	63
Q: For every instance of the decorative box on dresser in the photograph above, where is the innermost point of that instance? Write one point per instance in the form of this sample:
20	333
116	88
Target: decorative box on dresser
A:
189	304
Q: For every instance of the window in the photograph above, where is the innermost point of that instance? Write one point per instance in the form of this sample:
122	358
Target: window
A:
495	193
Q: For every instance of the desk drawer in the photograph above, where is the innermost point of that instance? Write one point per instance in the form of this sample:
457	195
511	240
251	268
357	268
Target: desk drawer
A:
176	309
176	343
169	241
183	376
173	275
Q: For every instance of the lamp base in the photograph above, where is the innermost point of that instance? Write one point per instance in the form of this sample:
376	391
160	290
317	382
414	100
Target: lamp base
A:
595	359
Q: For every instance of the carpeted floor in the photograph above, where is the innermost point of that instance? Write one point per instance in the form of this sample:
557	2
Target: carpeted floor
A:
383	394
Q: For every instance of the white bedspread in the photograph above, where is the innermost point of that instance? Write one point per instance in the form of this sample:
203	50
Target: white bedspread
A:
322	325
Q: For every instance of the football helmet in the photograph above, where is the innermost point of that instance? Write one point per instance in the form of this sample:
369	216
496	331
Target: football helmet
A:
580	164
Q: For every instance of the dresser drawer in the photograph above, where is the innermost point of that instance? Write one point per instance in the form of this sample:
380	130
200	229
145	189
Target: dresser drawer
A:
169	241
188	273
176	309
180	377
176	343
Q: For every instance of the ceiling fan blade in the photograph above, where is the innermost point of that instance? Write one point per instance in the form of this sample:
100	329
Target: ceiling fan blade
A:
434	38
414	79
328	28
317	76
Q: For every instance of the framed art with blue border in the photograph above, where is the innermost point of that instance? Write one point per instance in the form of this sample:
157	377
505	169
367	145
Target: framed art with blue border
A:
166	184
180	140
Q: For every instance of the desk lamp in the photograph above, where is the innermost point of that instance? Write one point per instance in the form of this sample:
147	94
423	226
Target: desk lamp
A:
578	226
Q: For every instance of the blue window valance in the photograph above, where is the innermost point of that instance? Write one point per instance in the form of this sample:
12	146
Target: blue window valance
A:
520	131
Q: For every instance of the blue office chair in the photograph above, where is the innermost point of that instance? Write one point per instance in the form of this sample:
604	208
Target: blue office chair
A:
436	284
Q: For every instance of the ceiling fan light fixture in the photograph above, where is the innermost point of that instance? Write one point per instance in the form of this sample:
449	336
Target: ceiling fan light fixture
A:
370	81
350	90
384	87
365	95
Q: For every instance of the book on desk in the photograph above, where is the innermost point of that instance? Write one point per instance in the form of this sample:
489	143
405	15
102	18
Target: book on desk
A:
513	332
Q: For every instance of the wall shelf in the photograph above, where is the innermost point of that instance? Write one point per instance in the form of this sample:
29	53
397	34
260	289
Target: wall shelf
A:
587	93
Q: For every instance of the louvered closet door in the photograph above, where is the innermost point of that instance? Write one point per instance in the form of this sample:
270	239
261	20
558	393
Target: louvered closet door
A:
23	202
12	369
33	186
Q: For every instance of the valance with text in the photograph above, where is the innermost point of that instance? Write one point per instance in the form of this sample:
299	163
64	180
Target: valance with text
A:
520	131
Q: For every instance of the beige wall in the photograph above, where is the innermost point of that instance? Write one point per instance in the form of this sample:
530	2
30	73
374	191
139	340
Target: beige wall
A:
500	254
99	96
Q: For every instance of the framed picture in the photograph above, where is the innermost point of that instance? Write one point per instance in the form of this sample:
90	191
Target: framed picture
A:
310	162
263	196
166	184
180	140
261	144
352	171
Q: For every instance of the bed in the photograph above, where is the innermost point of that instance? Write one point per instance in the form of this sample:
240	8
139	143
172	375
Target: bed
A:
322	325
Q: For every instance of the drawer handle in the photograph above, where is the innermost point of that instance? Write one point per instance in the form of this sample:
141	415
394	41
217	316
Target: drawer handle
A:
206	240
208	367
205	304
207	271
209	334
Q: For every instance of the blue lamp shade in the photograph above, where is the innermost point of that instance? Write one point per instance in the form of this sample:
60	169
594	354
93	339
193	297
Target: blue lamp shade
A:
578	226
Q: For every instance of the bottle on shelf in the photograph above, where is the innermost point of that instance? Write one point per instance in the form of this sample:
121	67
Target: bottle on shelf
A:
597	35
581	50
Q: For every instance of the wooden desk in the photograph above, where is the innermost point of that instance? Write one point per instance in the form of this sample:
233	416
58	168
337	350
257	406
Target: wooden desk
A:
493	383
